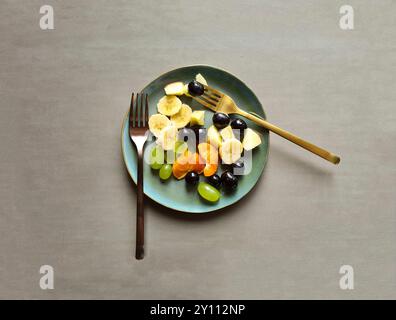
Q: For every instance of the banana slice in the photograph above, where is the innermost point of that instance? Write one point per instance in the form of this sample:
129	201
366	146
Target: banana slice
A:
175	89
183	117
167	138
169	105
251	139
227	133
231	150
199	77
213	136
197	118
157	122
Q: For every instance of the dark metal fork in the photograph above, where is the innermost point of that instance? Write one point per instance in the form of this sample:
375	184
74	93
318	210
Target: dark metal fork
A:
138	127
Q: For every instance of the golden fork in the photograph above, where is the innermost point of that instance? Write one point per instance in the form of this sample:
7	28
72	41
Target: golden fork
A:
220	102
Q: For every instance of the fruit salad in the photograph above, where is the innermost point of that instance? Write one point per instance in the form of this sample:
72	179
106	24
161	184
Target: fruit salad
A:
187	151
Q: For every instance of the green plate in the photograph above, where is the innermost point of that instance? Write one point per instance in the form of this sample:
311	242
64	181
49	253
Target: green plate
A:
173	193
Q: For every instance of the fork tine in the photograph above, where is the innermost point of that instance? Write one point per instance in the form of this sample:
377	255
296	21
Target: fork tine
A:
213	95
212	99
214	91
141	115
137	111
208	100
204	103
146	112
131	122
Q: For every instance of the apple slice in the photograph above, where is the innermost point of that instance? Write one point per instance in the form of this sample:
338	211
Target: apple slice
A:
251	139
213	136
231	150
197	118
199	77
227	133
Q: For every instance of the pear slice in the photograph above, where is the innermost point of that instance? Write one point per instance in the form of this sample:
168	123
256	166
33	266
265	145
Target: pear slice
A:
251	140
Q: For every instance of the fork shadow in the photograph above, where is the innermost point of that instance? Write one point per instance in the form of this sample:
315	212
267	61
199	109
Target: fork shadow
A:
313	165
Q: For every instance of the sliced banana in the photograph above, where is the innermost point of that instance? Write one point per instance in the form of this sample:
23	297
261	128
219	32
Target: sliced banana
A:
231	150
183	117
167	138
175	89
169	105
197	118
227	133
199	77
157	122
251	139
213	136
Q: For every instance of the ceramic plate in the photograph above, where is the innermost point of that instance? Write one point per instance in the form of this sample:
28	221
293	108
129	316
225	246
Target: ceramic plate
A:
173	193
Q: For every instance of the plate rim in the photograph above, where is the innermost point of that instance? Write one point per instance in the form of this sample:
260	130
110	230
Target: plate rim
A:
209	211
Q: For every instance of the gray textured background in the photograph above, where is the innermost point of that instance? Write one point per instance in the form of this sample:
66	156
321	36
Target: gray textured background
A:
66	199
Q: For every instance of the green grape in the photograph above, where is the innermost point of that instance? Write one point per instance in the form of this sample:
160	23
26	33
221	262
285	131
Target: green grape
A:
165	172
208	192
156	166
157	158
180	147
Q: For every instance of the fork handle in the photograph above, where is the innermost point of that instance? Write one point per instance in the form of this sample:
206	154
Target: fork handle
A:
139	254
293	138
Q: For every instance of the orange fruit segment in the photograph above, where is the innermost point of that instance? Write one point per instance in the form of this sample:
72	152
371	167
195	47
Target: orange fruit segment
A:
182	165
211	157
208	152
197	163
206	161
178	173
210	169
186	163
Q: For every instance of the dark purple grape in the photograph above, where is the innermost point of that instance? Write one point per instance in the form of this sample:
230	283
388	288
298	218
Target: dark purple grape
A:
238	167
192	178
238	124
195	88
229	181
221	120
215	181
239	164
